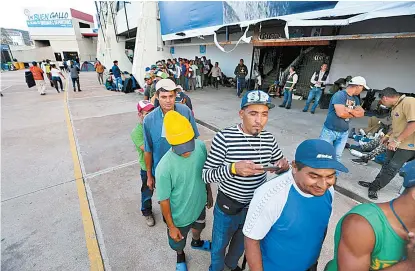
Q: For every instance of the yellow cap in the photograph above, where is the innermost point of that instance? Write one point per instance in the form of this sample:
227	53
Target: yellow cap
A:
178	129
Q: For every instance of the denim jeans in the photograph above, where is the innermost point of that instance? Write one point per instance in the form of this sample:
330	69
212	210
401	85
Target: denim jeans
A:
227	230
118	83
146	194
338	139
288	98
240	84
315	92
75	80
186	83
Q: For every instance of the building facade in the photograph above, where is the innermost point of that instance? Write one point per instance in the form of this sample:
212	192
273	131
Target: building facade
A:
60	34
371	39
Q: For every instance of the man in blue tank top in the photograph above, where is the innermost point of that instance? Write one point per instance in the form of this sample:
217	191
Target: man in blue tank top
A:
288	216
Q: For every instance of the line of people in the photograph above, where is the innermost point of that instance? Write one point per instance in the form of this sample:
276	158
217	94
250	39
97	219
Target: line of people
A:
280	224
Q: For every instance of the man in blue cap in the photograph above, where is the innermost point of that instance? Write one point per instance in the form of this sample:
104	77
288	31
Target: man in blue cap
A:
236	163
378	236
288	216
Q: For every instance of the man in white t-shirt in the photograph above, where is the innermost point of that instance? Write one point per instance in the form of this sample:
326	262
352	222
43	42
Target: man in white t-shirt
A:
288	216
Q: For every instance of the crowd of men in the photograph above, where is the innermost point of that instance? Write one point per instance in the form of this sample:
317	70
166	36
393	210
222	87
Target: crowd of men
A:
281	223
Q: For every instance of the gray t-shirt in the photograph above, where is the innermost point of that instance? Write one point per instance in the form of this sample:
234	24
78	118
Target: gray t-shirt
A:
74	71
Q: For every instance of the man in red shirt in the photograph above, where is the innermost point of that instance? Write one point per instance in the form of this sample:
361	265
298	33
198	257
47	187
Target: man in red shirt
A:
37	73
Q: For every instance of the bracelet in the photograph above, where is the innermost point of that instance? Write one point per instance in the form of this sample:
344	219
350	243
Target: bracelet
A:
396	141
233	169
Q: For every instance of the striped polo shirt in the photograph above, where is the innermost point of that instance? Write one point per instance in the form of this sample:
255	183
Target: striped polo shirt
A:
232	145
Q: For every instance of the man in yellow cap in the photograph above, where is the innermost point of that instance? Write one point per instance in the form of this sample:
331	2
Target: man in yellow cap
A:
182	193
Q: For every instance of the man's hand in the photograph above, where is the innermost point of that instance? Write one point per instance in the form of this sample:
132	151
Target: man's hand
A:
282	164
410	248
247	168
384	140
150	182
175	234
392	145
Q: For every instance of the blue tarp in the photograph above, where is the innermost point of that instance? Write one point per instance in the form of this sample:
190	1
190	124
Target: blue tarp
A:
178	16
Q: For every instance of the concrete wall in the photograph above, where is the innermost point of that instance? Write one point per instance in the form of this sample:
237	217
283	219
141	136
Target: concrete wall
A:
87	46
384	63
149	47
227	61
133	12
33	54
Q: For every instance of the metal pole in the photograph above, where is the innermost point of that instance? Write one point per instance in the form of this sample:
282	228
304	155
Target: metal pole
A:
126	19
252	63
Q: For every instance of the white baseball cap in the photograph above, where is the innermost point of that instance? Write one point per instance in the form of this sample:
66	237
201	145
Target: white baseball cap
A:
360	81
166	84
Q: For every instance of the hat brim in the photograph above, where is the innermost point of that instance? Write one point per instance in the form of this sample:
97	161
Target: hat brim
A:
183	148
325	163
366	87
147	108
270	105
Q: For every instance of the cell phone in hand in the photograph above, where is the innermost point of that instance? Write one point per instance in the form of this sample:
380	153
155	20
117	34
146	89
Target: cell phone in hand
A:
271	168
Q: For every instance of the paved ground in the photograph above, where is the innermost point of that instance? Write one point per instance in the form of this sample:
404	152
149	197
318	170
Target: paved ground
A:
219	108
42	226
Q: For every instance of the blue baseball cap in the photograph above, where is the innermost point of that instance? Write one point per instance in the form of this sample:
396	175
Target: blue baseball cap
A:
408	172
256	97
317	153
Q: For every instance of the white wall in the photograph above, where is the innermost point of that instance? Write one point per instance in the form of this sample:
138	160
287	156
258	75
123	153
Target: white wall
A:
148	47
227	61
133	12
33	54
384	63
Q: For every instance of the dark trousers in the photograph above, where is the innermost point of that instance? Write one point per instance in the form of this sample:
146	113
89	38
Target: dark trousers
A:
77	83
100	77
240	84
183	82
146	194
205	80
55	80
393	163
215	82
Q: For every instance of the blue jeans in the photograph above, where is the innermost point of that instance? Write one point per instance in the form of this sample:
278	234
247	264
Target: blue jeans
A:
315	92
240	84
146	194
227	228
288	98
338	139
118	83
186	83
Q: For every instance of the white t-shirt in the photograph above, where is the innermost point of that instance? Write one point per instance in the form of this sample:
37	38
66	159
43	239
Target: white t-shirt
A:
55	72
194	68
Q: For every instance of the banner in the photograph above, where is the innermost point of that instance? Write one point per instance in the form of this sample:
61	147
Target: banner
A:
58	19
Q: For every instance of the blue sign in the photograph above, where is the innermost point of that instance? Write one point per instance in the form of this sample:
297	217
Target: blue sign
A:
172	50
202	49
5	47
52	19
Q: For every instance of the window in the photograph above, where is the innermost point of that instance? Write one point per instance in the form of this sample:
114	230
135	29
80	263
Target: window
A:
82	25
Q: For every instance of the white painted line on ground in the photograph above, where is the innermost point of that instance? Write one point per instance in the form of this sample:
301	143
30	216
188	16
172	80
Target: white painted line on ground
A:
110	169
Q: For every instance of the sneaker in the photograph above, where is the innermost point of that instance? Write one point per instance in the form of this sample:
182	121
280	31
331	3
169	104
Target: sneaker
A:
372	194
312	112
43	93
79	90
150	220
281	105
356	153
305	110
360	161
364	184
288	107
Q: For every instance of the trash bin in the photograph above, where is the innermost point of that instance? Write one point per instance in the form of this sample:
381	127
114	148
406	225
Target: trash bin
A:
30	81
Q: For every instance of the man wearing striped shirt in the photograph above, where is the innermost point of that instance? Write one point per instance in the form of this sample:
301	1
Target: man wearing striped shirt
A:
237	161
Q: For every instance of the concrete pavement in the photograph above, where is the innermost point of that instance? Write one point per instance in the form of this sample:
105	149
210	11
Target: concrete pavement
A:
219	109
42	226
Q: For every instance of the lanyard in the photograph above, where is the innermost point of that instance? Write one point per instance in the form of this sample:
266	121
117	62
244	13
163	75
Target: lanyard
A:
397	217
